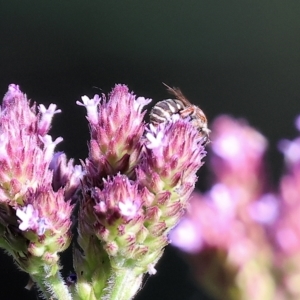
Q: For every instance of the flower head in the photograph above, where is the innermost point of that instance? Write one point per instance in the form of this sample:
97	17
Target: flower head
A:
238	148
36	218
173	155
225	229
119	199
65	174
25	153
237	159
136	185
120	213
116	126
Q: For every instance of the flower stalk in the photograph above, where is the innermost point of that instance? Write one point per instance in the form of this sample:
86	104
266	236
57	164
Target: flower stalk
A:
125	285
52	285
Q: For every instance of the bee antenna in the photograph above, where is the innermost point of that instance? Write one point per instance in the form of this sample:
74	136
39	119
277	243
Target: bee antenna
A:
171	90
96	87
175	91
168	87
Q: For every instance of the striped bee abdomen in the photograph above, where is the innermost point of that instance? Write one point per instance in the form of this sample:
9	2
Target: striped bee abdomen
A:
163	110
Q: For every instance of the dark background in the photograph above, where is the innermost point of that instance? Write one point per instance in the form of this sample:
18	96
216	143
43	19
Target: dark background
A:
237	57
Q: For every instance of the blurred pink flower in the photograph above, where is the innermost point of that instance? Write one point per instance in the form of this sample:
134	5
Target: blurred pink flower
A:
224	230
288	225
238	152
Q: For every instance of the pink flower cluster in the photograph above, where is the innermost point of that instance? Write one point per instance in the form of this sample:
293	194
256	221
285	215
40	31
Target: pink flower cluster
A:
137	183
27	192
130	192
241	237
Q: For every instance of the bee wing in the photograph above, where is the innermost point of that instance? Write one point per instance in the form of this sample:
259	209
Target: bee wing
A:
178	94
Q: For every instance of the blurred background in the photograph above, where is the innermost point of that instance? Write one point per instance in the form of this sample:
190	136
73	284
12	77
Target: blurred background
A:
236	57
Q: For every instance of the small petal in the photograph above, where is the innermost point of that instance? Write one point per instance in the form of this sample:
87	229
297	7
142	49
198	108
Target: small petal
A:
151	270
30	220
50	146
91	106
46	118
116	133
140	102
155	141
128	208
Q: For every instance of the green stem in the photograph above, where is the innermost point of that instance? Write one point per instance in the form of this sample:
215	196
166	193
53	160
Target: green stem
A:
40	284
124	285
54	286
84	291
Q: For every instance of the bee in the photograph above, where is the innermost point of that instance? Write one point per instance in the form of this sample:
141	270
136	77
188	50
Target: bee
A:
163	110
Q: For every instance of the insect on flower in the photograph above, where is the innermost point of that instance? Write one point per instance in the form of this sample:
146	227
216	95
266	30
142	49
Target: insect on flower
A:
163	110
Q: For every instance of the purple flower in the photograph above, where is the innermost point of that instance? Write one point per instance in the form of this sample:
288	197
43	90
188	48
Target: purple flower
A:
30	219
168	162
46	118
266	209
287	229
119	198
225	230
47	213
116	129
238	151
65	174
136	185
36	218
25	154
120	214
91	106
